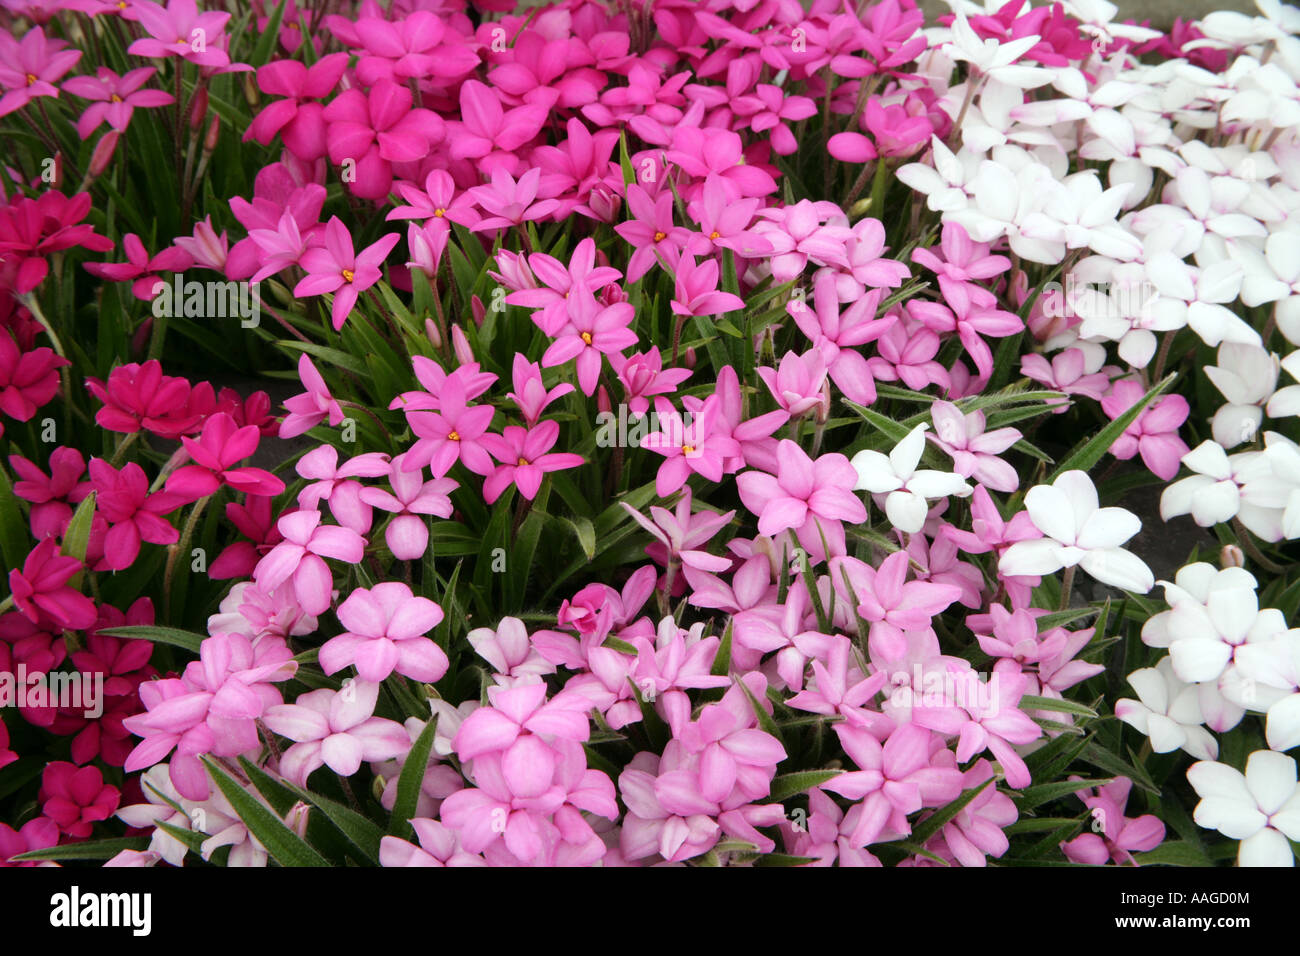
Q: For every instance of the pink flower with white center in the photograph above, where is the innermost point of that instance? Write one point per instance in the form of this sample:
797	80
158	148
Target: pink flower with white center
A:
836	334
893	781
974	451
300	558
696	289
336	267
407	534
30	67
451	434
337	484
1154	433
313	406
810	497
650	827
697	448
643	377
386	628
517	720
510	202
509	651
592	332
114	97
804	232
335	729
526	457
607	684
180	30
560	283
799	383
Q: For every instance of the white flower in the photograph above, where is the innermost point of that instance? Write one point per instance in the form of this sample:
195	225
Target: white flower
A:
1246	376
995	59
1077	531
1212	495
1168	711
1267	680
1285	402
1261	808
1197	297
906	488
1204	638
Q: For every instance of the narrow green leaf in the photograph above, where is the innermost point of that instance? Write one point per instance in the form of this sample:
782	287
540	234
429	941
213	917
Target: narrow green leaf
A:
187	640
1084	457
411	780
93	850
281	843
788	785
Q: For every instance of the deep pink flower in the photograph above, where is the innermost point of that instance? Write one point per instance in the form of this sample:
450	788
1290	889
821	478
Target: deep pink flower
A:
490	134
336	267
31	66
417	46
141	396
376	129
140	269
971	312
28	380
698	448
253	520
51	496
39	833
41	592
1154	433
313	406
298	118
216	452
134	515
76	798
114	97
453	433
593	331
525	456
509	202
530	393
650	231
696	289
1115	836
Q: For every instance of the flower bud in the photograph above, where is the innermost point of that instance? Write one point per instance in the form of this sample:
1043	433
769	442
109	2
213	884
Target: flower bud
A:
377	788
603	404
199	108
478	310
689	358
431	330
1232	556
296	819
140	340
460	346
103	153
214	131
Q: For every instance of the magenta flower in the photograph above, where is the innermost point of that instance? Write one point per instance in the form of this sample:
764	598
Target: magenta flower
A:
39	833
335	729
140	269
28	379
509	202
114	97
313	406
30	67
300	557
643	377
376	129
76	798
490	134
141	397
720	152
592	332
415	47
698	448
651	232
297	118
41	592
525	456
386	628
219	447
807	231
560	283
971	312
837	334
724	223
180	30
769	110
336	267
811	498
696	290
549	72
964	260
453	433
133	514
407	535
1154	433
530	392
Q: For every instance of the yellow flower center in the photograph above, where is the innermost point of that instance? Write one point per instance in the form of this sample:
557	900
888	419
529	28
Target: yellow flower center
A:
660	236
454	435
31	78
115	98
348	275
522	461
715	234
586	337
688	449
440	212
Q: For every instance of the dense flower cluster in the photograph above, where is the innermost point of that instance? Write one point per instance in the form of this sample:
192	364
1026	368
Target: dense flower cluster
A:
705	411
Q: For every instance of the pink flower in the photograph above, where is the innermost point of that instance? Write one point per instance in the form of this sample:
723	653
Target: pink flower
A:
811	498
51	496
337	484
963	259
974	451
797	384
335	729
769	110
593	331
220	446
453	433
39	833
376	129
114	97
28	380
180	30
313	406
140	267
415	47
1068	372
651	232
530	392
804	232
76	798
336	267
697	448
719	152
525	458
490	134
1154	433
1116	836
724	223
643	377
438	847
560	283
41	592
31	66
696	289
297	118
509	202
679	533
134	515
300	558
890	603
509	650
970	312
386	628
253	521
141	396
407	535
837	334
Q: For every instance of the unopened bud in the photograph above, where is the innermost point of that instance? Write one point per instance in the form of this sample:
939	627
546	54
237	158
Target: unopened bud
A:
603	404
824	406
377	788
431	330
477	309
199	109
689	358
141	338
214	130
103	153
251	93
460	346
297	817
1232	556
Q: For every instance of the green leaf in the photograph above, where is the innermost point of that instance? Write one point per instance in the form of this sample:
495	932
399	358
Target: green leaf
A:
1030	702
13	535
625	161
77	537
328	355
586	533
783	859
788	785
187	640
930	825
1174	853
266	42
93	850
1031	797
1087	454
411	780
363	834
281	843
894	431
